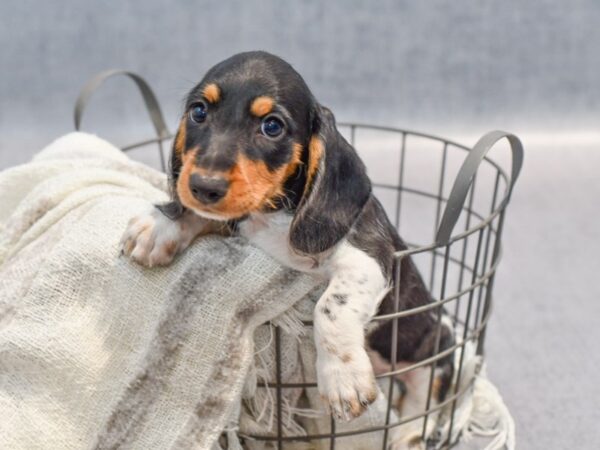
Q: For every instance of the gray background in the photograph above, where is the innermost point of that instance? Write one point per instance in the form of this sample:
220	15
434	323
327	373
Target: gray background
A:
453	68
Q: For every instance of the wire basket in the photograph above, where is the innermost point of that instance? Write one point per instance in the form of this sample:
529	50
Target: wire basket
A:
460	194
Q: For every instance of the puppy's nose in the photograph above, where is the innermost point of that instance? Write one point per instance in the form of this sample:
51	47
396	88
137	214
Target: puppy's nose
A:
208	190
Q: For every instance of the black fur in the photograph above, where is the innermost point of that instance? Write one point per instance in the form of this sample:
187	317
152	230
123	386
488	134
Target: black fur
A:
337	195
373	233
173	210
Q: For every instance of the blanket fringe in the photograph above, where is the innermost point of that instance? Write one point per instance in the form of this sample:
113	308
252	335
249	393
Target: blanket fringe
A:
481	412
490	416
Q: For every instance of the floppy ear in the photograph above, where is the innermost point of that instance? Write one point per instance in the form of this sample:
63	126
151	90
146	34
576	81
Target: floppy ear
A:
174	209
337	188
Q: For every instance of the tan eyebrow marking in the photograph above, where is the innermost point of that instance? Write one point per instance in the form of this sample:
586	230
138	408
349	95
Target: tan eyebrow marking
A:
212	93
262	105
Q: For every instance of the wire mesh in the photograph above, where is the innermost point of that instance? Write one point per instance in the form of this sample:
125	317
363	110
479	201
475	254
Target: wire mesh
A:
454	276
451	219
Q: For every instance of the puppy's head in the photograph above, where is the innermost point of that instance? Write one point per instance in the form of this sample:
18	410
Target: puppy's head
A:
253	139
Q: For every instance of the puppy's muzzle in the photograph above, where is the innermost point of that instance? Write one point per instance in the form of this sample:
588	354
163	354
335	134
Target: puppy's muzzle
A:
208	190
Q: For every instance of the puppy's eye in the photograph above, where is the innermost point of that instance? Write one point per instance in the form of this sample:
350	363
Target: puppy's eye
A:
271	127
198	112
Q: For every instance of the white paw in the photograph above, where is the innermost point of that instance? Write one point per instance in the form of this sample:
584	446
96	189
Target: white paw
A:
152	239
346	382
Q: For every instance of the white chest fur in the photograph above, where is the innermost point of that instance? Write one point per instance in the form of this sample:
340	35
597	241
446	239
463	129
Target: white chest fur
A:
270	232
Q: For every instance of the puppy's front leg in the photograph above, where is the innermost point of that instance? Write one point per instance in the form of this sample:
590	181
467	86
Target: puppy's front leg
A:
344	372
153	239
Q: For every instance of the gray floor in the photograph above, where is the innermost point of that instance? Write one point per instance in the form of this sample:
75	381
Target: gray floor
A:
543	344
528	67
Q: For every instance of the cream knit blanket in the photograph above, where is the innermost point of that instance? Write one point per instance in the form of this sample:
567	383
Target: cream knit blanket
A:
97	352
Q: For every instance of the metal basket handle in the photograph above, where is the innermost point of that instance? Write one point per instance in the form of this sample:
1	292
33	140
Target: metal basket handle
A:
150	101
465	176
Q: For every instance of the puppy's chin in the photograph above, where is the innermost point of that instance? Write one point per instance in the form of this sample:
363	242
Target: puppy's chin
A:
211	216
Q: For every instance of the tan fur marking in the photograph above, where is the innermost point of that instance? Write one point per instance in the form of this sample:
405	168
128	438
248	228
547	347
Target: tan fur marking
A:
436	387
211	93
261	106
252	185
400	402
356	408
414	442
189	156
171	248
180	138
296	159
315	153
346	358
372	395
183	182
129	245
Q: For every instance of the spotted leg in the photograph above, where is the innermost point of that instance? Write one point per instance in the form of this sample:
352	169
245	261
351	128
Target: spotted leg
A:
344	373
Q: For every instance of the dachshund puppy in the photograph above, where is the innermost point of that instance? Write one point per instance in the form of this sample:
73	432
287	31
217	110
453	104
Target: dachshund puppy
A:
255	154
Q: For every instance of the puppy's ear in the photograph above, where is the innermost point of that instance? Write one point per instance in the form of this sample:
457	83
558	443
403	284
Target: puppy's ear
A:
174	209
337	188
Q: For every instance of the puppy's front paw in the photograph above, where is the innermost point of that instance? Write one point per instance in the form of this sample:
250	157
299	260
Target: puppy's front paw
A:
152	239
346	383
